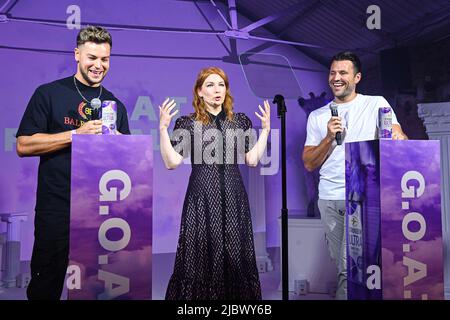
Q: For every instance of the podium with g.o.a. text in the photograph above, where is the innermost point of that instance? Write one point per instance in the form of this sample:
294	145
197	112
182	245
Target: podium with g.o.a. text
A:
111	218
393	220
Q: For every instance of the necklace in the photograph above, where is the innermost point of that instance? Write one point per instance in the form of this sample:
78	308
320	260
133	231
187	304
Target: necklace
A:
93	100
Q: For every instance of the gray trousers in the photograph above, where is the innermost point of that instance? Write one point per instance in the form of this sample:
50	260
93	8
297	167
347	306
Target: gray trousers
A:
332	214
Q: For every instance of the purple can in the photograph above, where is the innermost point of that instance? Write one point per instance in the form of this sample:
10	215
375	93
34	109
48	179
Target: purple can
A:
109	117
385	123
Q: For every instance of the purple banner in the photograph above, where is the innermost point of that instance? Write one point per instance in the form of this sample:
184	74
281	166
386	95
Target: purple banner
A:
394	232
412	253
111	217
363	220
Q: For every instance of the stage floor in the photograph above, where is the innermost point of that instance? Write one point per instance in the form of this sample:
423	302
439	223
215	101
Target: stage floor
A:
163	266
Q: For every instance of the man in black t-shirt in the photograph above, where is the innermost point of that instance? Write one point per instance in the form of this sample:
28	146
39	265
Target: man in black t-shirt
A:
56	111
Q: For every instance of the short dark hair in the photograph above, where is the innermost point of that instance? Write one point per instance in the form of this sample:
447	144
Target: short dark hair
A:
348	55
94	34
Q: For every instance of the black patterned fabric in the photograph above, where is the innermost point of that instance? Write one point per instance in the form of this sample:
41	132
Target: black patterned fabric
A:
215	257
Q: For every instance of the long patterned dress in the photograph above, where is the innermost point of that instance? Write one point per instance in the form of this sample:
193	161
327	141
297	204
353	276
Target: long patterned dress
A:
215	257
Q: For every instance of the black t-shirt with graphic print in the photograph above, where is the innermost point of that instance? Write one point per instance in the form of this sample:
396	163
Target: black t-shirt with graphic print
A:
57	107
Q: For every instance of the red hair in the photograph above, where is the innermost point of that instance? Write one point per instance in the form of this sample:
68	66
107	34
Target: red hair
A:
199	105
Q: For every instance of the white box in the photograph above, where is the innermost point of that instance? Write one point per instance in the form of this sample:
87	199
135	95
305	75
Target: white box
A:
309	258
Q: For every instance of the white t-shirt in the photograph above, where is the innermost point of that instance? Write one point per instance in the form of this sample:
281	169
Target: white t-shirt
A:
360	120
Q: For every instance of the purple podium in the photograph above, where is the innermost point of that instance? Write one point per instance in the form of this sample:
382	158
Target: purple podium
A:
393	220
111	218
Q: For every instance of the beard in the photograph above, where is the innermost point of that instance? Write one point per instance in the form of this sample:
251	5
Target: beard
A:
344	93
89	80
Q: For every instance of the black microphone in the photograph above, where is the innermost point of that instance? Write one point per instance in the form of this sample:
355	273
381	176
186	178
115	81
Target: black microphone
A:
96	105
279	100
334	113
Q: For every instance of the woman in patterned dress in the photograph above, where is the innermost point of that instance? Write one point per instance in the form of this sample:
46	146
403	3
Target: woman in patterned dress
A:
215	257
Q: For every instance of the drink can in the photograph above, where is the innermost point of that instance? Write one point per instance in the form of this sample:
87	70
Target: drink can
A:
355	245
385	123
109	117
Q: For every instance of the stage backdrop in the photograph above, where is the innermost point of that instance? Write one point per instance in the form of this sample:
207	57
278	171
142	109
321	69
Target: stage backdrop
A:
146	67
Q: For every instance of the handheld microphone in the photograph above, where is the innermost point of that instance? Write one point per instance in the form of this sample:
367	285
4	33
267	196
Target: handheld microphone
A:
334	113
96	105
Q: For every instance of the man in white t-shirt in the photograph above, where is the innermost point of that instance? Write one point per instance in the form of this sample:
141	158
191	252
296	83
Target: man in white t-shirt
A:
357	121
